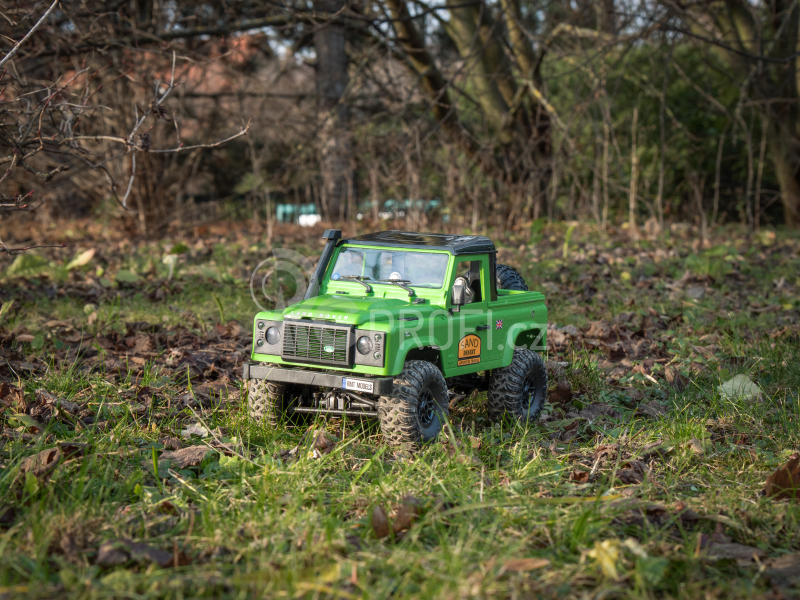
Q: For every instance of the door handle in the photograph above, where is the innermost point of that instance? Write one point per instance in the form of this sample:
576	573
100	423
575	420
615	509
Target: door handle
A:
481	327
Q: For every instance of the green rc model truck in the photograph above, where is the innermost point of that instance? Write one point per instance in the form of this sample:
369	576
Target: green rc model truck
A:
392	320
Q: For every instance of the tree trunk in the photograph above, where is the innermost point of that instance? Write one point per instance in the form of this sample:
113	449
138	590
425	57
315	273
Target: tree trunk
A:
608	17
463	29
785	159
634	184
334	115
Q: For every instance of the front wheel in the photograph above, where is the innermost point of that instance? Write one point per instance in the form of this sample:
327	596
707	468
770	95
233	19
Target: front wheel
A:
273	402
520	389
418	406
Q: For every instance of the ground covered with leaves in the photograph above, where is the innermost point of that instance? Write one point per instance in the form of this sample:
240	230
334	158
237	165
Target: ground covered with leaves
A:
665	464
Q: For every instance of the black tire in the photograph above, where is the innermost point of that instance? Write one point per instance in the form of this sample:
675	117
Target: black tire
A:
509	279
269	401
519	390
419	404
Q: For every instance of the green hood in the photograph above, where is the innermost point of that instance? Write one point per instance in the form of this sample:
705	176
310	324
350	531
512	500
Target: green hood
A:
352	310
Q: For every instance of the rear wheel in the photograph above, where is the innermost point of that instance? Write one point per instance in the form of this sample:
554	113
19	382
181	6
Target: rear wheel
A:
509	279
418	406
520	389
273	402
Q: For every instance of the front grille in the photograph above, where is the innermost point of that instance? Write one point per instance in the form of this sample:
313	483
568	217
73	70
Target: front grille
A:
307	343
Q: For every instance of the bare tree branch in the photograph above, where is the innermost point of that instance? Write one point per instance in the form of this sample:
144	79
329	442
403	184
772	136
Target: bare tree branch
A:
13	51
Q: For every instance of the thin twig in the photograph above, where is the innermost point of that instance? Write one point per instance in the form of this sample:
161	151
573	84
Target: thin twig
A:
130	181
30	33
15	251
244	131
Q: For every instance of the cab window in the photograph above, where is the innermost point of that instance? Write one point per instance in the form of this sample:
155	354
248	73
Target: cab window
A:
472	271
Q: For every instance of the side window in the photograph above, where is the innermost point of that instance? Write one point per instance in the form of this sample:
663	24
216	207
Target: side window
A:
472	271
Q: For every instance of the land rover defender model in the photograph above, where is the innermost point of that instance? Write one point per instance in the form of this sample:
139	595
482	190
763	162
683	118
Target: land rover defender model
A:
389	322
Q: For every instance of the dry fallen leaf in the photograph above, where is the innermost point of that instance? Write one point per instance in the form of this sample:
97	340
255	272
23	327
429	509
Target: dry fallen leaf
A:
562	393
118	552
555	370
165	507
11	397
595	411
570	431
784	571
195	429
111	554
520	565
323	444
42	464
606	451
652	409
185	457
380	522
170	442
633	472
675	379
785	481
739	552
578	476
695	446
45	397
407	513
73	449
654	449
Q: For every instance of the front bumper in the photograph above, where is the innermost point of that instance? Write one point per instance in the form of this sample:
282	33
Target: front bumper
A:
382	385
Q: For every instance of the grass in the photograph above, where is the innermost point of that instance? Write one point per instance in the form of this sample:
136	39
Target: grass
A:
253	524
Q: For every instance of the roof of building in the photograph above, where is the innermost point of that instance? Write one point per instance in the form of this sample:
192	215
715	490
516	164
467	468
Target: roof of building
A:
455	244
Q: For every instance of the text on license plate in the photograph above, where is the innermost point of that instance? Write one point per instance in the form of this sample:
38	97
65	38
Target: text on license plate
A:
357	385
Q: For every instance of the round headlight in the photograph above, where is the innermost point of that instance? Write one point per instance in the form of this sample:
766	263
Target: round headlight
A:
261	324
259	343
377	356
273	335
364	345
377	337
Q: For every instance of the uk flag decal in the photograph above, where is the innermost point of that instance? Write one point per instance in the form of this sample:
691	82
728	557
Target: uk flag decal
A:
499	324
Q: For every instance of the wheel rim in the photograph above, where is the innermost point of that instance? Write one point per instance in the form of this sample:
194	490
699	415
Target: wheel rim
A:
426	408
529	393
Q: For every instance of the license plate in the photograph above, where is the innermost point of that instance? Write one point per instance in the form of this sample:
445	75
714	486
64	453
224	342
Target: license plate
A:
358	385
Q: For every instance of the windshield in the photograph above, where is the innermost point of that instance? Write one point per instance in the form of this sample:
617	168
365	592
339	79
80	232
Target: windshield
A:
421	269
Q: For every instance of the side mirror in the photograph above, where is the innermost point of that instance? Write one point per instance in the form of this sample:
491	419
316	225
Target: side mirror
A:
459	297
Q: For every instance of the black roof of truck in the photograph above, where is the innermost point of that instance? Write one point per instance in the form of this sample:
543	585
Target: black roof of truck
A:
455	244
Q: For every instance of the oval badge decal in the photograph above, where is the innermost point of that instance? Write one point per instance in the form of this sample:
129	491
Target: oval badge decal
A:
328	348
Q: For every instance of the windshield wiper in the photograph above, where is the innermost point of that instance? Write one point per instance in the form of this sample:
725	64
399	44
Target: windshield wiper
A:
360	279
399	282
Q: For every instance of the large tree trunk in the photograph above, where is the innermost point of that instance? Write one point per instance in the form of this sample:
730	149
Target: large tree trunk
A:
785	155
478	51
334	115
